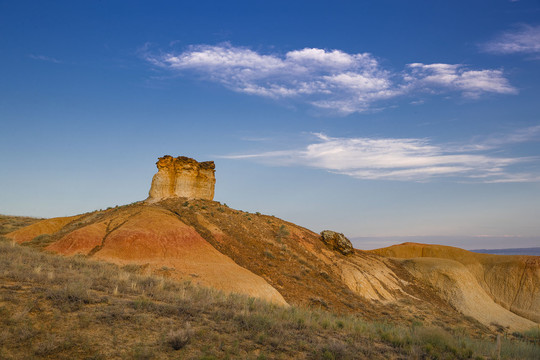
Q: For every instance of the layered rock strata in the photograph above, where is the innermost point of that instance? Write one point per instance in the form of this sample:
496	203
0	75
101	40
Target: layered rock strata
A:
182	177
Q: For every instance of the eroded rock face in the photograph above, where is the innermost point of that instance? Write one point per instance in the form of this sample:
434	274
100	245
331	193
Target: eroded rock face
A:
511	281
337	241
182	177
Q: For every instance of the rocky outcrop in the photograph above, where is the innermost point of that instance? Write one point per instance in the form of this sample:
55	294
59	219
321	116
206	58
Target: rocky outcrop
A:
337	241
182	177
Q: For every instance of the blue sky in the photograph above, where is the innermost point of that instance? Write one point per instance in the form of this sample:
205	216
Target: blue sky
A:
388	121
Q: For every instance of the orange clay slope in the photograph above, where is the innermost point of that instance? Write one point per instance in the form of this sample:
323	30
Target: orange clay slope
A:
158	240
47	226
491	288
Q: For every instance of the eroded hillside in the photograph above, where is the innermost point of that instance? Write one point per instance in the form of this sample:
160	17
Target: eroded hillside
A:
259	255
492	288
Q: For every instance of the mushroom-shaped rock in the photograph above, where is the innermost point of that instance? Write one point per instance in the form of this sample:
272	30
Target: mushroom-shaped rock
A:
337	241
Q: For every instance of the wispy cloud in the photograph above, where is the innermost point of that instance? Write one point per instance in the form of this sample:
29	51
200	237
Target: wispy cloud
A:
531	133
524	39
409	159
329	79
45	58
472	83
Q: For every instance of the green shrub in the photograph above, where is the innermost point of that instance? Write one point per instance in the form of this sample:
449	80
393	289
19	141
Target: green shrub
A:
282	233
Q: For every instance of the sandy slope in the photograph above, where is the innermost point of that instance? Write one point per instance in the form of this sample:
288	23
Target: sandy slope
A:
494	287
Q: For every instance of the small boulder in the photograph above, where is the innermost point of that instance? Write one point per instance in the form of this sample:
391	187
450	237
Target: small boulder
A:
337	241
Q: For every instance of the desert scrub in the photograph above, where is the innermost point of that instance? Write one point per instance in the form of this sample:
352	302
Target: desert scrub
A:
71	296
91	309
532	335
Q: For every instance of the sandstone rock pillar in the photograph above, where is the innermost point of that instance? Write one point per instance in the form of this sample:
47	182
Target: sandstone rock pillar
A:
182	177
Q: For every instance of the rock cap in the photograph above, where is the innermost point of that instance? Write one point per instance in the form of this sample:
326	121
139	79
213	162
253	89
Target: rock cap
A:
182	177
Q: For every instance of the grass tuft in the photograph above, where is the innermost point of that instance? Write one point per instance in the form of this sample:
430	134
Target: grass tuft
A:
179	338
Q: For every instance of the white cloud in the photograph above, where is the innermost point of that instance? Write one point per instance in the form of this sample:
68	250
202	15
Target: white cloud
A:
400	159
472	83
331	60
328	79
524	39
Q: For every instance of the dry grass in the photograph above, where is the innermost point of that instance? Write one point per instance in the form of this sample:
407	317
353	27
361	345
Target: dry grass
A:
70	308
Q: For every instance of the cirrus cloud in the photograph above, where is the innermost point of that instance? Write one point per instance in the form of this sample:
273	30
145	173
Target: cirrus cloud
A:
524	39
409	159
328	79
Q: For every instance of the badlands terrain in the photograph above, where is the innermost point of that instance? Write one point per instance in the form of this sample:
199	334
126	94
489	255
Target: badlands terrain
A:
180	235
